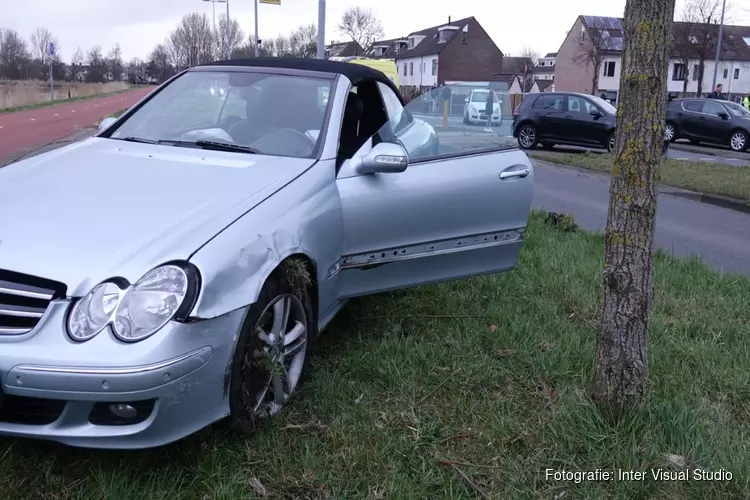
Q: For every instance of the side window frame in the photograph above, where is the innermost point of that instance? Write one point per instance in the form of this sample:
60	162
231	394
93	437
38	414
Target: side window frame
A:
388	95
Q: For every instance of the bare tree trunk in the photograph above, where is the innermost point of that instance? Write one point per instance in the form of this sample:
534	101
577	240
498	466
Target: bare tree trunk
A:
700	77
595	78
621	371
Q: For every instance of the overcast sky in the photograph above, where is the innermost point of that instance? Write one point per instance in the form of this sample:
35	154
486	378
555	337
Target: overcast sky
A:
138	25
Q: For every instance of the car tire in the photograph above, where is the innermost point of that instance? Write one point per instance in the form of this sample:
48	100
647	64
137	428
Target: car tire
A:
548	145
738	140
527	137
611	142
670	132
258	367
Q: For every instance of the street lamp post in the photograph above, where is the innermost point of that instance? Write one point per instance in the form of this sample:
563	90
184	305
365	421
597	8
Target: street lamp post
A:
256	28
213	2
718	43
321	29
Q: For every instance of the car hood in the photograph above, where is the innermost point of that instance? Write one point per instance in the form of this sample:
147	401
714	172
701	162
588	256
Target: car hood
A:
103	208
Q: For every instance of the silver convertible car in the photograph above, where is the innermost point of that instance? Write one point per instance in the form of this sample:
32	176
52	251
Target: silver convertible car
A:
172	270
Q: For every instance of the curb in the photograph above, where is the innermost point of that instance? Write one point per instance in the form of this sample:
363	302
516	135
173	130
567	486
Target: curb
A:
709	199
708	152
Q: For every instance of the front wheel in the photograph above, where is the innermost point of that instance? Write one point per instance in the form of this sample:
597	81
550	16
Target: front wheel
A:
738	141
527	138
611	143
271	354
670	132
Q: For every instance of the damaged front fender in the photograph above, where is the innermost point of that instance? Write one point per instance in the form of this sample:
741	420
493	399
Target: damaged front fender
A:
303	218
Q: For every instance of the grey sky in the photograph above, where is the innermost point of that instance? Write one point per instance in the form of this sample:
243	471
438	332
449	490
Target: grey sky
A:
138	25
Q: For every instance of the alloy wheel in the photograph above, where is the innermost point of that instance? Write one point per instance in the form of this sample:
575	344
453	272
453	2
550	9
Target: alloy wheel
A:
669	132
279	357
611	143
738	141
526	137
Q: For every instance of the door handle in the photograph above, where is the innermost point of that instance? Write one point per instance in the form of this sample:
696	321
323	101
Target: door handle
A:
507	174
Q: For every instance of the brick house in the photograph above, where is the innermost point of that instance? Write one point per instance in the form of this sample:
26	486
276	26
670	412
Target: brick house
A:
458	51
574	73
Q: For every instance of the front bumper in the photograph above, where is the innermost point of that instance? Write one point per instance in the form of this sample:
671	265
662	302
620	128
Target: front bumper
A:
477	118
174	383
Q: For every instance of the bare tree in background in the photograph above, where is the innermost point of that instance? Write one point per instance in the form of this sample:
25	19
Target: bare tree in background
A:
303	41
621	371
77	72
236	37
14	56
591	52
192	42
529	58
701	43
362	26
40	41
115	66
97	65
159	65
136	70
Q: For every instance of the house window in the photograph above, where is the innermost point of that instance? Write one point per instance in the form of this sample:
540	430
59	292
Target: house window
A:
583	34
465	36
541	63
434	67
696	72
411	68
609	68
405	69
678	72
726	72
411	43
444	35
736	73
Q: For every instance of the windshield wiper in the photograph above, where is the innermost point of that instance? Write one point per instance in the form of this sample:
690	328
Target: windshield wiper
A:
137	139
225	146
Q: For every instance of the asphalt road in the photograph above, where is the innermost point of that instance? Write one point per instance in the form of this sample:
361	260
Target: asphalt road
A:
29	129
720	237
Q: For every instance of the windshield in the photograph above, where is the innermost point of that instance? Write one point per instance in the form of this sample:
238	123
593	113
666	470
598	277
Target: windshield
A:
737	110
607	107
262	113
481	96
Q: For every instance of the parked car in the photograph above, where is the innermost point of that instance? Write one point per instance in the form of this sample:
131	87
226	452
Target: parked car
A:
475	106
172	270
709	120
566	118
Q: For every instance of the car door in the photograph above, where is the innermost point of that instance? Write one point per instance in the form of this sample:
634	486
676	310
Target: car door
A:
547	114
713	127
457	211
581	126
689	118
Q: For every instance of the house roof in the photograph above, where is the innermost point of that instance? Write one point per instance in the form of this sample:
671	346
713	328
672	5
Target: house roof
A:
543	84
430	44
508	78
390	52
344	49
550	54
735	44
544	69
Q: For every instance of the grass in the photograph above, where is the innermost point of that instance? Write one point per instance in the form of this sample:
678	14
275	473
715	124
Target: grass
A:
480	384
710	178
20	97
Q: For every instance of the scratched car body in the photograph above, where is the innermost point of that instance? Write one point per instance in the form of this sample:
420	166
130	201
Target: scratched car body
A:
172	270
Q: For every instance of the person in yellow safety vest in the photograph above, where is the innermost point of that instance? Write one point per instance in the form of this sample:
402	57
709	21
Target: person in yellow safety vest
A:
746	102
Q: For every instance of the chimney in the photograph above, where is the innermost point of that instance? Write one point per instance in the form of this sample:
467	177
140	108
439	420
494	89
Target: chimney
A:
449	19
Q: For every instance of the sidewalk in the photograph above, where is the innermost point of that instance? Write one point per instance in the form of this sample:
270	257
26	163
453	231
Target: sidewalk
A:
709	151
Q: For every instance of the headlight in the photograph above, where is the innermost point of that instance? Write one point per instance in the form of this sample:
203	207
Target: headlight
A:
151	303
94	311
138	311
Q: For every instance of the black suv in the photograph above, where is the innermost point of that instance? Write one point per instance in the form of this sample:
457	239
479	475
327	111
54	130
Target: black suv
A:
569	118
708	120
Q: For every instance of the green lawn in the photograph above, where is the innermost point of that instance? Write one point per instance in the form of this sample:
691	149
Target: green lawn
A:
475	385
704	177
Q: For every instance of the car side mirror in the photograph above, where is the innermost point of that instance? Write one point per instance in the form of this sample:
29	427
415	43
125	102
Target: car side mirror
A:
595	113
384	158
723	116
466	100
106	123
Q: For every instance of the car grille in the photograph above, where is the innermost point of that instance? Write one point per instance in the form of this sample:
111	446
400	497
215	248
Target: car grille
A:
23	301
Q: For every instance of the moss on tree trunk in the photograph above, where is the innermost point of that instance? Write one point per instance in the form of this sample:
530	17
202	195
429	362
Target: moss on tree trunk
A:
621	371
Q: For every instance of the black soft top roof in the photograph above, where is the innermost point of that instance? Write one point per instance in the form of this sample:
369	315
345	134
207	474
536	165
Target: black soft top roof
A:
354	72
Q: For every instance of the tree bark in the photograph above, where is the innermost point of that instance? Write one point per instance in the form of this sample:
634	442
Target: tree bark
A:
621	371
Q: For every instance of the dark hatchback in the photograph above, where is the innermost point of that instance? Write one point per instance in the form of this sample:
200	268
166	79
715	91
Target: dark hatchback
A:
709	120
566	118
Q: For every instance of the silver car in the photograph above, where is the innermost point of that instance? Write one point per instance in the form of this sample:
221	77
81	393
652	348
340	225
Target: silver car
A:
173	270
